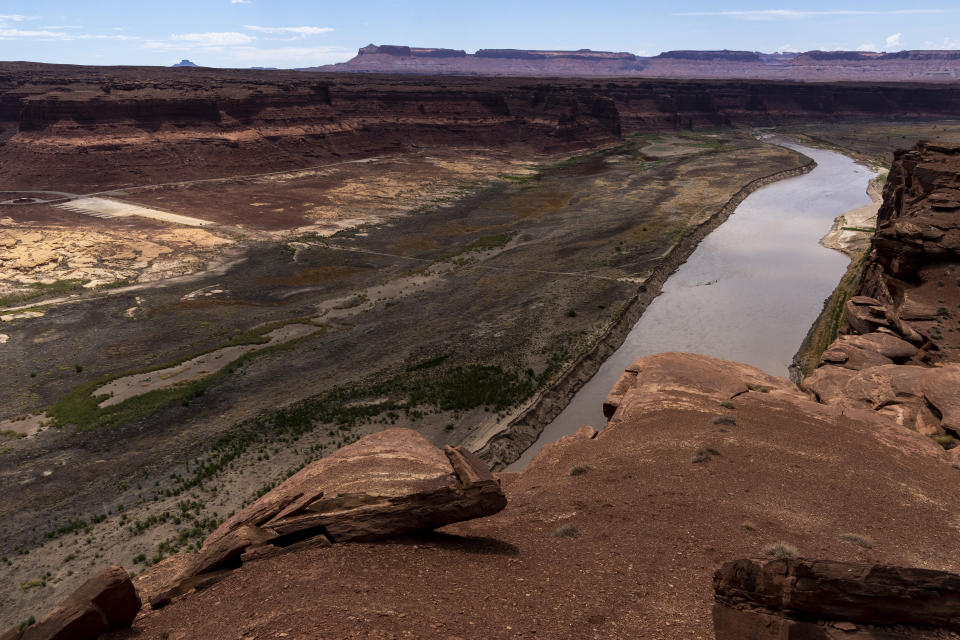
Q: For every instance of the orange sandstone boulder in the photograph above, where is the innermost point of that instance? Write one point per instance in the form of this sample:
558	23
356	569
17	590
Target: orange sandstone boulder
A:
387	484
105	603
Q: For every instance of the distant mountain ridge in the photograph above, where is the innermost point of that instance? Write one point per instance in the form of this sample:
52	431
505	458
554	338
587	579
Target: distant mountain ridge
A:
900	66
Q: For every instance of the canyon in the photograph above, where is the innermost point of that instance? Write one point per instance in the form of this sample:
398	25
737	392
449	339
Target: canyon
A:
291	265
808	66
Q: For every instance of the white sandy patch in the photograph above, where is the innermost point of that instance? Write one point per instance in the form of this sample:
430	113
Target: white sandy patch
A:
104	208
25	315
4	338
24	426
129	386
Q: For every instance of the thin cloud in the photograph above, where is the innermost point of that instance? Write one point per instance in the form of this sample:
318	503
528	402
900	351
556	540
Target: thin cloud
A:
893	41
33	33
214	38
867	47
240	2
16	18
62	34
299	32
794	14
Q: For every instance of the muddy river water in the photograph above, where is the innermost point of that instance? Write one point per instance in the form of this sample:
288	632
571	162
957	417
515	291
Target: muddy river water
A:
749	292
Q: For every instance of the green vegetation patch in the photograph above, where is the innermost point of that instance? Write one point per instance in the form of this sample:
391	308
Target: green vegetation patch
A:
80	406
827	326
40	290
427	386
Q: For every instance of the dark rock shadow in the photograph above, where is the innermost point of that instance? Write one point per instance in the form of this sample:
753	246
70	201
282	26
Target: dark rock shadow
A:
480	545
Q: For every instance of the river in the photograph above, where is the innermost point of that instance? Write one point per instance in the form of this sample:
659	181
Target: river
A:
749	292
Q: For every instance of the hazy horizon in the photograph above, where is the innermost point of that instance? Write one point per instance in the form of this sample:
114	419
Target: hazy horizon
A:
295	33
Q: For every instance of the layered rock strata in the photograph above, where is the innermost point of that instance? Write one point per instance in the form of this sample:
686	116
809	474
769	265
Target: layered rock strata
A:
816	599
941	66
899	354
88	128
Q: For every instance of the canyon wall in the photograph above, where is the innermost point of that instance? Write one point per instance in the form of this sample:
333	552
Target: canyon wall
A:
899	352
82	128
811	66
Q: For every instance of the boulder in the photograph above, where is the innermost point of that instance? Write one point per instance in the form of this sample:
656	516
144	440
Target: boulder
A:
865	315
924	399
849	353
662	376
105	603
886	344
800	598
387	484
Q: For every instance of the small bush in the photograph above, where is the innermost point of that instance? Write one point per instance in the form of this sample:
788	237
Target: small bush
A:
725	420
579	471
571	314
567	531
758	387
704	455
857	539
749	526
781	551
946	441
727	404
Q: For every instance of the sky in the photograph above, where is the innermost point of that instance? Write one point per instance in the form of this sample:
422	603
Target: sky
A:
300	33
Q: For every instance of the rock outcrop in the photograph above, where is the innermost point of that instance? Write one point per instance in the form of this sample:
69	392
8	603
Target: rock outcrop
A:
900	352
78	128
386	484
815	599
105	603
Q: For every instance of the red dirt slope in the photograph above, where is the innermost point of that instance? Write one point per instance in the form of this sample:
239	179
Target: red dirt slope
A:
617	536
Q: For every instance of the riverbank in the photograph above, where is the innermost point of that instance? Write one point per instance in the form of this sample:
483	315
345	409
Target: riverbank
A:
850	234
507	443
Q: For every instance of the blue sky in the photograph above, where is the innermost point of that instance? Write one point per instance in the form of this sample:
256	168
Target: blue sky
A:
295	33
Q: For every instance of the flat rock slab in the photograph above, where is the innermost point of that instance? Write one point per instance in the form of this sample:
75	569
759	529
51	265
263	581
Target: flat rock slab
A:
387	484
842	591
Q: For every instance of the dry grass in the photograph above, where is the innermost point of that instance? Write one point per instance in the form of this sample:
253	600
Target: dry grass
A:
863	541
781	551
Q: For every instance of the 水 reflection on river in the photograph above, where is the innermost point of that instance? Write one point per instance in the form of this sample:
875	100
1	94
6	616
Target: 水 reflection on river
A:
749	292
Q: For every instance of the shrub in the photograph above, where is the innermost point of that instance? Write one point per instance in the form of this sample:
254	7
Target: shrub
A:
725	420
758	387
727	404
946	441
781	551
579	471
857	539
567	531
749	526
704	455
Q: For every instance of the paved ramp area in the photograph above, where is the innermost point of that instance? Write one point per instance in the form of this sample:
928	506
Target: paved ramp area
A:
105	208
